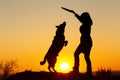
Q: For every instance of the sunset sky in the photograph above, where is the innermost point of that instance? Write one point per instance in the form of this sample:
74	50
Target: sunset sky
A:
27	28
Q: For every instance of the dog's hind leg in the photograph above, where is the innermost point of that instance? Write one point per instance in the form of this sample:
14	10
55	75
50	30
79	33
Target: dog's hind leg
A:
49	68
54	69
53	64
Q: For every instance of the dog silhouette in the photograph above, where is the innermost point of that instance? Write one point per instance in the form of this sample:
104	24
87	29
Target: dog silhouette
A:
56	46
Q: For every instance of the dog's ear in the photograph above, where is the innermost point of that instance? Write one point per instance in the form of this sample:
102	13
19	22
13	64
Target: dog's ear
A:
56	26
64	23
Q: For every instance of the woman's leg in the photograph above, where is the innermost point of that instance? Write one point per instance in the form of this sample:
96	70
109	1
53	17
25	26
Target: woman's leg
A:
76	59
88	61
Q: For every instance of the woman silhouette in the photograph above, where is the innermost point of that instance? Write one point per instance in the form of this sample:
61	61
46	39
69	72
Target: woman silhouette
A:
85	42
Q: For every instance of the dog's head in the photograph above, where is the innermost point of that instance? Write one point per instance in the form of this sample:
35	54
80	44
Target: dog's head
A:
61	28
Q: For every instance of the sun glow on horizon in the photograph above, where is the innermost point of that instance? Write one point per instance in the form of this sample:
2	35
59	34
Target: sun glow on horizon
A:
64	67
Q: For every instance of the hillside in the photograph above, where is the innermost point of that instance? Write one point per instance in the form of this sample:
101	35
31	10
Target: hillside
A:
28	75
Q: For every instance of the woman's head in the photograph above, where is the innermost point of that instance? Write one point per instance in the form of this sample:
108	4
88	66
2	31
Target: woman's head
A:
85	18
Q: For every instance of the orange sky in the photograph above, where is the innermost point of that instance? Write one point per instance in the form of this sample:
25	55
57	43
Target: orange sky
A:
27	30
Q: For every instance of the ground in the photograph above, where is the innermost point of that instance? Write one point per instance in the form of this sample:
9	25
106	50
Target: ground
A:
29	75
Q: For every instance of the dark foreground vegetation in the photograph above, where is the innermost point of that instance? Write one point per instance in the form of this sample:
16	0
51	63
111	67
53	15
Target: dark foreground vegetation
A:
7	70
29	75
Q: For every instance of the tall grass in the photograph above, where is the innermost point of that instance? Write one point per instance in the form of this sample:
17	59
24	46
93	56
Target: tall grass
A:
106	74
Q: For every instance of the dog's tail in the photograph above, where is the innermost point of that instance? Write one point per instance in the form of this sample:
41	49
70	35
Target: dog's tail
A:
43	62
